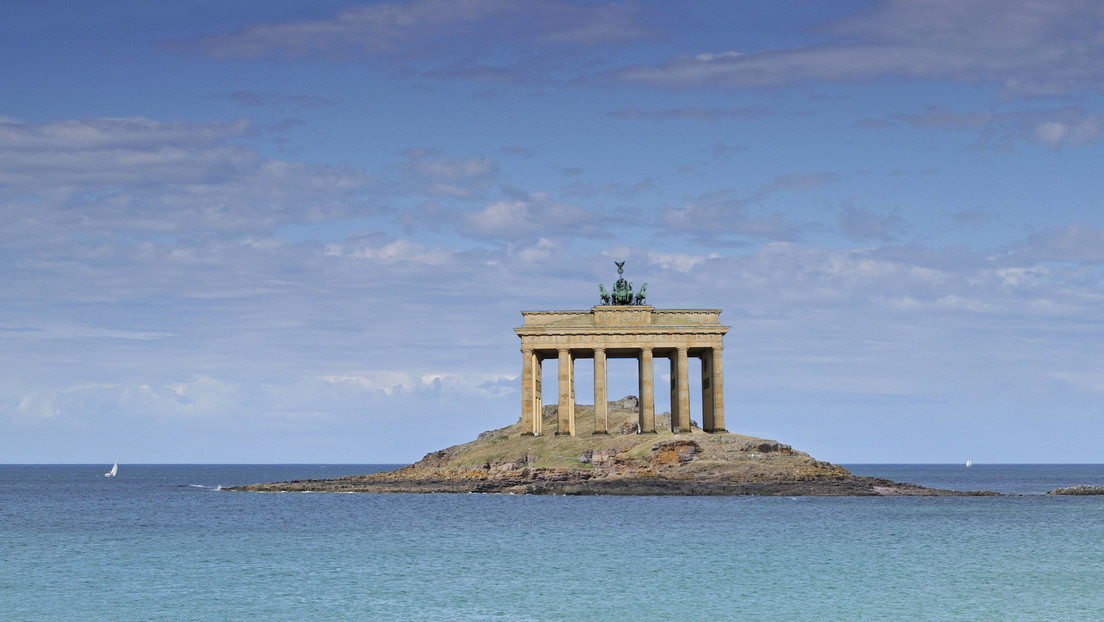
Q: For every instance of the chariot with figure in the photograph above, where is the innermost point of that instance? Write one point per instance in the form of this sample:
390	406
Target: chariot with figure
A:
622	290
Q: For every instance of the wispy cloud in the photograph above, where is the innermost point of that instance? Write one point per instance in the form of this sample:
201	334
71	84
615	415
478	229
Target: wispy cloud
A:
1021	46
69	330
694	113
859	223
1070	127
722	213
1079	242
1003	131
146	177
388	251
472	39
939	117
280	100
427	171
533	216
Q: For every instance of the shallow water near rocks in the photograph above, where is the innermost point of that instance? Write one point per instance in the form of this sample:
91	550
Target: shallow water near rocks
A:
164	542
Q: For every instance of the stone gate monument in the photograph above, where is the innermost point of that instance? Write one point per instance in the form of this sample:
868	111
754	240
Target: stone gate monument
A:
623	326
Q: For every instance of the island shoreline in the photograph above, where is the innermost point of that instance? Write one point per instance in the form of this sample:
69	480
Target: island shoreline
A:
621	462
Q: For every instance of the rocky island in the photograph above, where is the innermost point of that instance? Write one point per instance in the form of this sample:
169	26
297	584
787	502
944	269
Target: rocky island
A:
621	447
620	462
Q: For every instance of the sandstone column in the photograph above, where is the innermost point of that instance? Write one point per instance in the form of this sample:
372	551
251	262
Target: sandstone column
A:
683	393
717	383
601	425
647	400
672	390
538	399
707	390
529	413
566	406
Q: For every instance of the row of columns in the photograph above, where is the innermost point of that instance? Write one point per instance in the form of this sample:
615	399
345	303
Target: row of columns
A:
712	391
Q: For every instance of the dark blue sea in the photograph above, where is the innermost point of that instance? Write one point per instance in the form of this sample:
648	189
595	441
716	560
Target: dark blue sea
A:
164	542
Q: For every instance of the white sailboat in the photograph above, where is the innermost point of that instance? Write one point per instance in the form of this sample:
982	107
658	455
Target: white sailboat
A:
114	470
969	463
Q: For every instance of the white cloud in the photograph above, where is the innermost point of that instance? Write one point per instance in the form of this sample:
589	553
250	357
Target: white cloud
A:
104	134
393	251
201	396
108	176
500	218
542	250
1072	129
678	262
38	406
76	156
875	281
708	56
386	382
533	215
428	172
392	382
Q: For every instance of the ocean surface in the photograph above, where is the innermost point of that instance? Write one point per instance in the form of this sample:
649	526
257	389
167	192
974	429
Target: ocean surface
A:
164	542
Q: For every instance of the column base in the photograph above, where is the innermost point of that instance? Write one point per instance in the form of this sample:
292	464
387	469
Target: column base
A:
647	432
564	434
527	434
601	433
717	431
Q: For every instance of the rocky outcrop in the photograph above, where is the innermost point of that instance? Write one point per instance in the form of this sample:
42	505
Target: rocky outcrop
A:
1078	490
622	462
673	453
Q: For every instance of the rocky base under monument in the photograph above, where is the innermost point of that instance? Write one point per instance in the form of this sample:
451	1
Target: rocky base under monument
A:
619	463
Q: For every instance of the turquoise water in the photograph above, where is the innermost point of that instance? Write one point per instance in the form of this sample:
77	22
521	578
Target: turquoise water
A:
162	542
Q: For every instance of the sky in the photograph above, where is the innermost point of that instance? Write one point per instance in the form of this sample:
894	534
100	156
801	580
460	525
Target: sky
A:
273	232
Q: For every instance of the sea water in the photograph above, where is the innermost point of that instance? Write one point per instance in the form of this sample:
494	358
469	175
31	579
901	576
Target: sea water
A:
165	542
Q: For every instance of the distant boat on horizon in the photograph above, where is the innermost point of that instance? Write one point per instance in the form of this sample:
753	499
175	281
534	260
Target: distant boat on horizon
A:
114	470
969	463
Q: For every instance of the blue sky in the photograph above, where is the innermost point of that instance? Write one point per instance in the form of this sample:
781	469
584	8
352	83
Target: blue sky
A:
303	231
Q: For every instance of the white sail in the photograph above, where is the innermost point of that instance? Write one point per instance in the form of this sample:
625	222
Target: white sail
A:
969	463
114	470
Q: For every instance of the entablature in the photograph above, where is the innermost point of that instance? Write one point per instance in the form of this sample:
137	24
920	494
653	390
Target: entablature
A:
621	330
